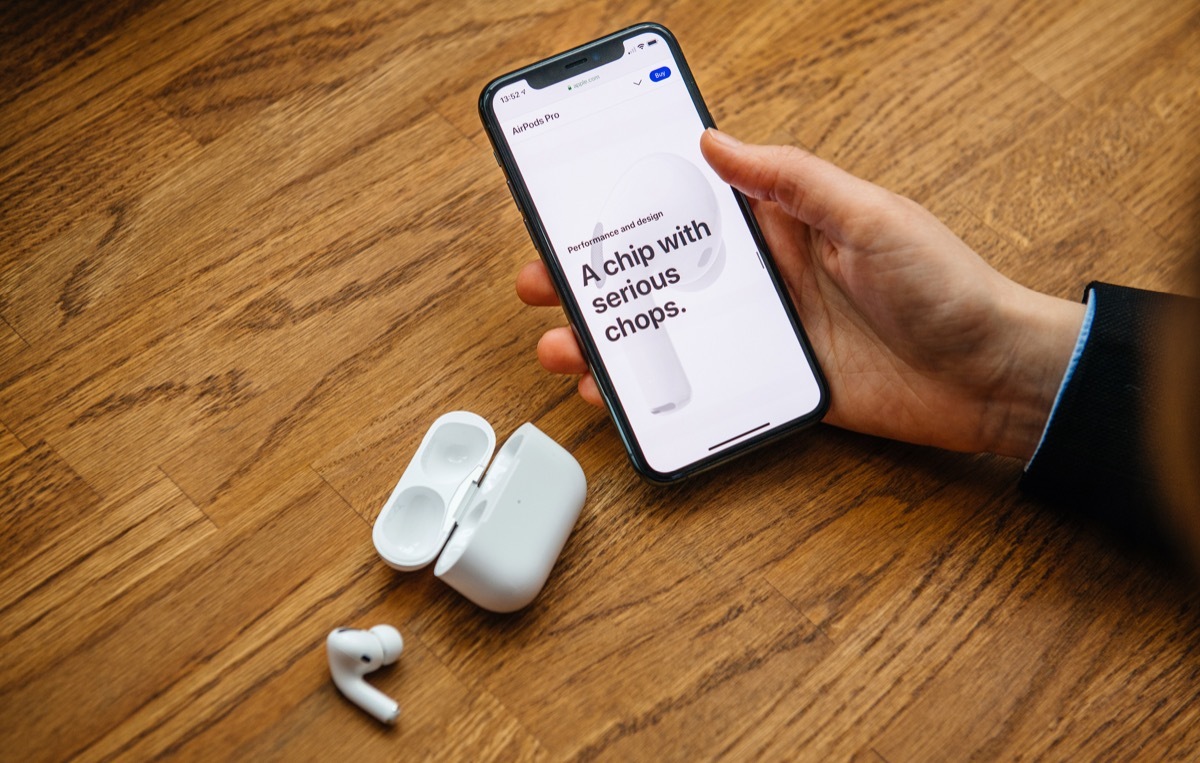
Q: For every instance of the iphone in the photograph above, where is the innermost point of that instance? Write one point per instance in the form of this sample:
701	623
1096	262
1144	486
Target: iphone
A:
660	266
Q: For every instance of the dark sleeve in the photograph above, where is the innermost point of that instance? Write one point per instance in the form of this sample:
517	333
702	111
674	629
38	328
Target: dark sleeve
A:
1095	458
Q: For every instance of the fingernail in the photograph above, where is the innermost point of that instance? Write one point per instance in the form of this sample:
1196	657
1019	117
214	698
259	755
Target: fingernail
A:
724	138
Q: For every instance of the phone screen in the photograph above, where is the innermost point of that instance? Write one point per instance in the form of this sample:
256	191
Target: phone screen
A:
666	273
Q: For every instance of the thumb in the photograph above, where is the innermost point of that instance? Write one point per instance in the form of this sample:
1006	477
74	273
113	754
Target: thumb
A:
807	187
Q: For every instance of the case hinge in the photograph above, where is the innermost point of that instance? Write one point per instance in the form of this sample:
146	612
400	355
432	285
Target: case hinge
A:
465	495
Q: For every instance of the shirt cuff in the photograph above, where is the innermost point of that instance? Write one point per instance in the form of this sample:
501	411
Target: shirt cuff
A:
1080	343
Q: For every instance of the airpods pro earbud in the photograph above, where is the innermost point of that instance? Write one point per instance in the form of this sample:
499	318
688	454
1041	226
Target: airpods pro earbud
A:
668	239
352	654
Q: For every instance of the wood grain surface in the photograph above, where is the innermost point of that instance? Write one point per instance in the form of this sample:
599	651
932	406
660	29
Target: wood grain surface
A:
250	250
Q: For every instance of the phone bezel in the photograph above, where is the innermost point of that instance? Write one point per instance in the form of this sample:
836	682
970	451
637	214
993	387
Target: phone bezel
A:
544	71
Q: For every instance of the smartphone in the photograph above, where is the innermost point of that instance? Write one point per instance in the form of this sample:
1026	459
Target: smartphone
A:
660	266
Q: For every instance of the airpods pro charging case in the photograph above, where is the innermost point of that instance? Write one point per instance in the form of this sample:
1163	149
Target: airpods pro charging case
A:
498	530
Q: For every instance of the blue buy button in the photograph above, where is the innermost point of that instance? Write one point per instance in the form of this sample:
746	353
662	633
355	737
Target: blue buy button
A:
660	74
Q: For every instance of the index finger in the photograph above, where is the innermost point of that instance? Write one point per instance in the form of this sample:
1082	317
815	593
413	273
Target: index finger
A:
534	286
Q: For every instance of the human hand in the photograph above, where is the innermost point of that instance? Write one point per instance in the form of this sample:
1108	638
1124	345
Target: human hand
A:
919	338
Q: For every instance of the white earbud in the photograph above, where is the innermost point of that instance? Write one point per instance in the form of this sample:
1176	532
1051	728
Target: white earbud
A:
680	193
354	653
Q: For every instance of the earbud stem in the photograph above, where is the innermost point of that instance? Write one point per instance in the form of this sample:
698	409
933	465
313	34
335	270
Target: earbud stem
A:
375	702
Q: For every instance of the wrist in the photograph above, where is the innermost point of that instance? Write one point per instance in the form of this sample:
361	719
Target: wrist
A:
1042	332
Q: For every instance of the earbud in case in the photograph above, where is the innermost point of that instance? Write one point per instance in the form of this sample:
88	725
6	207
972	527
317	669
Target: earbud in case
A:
495	532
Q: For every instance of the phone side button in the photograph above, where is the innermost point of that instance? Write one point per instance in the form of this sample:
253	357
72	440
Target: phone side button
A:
528	229
513	194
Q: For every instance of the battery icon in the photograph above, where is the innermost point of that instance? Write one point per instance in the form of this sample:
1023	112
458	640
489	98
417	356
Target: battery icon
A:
652	42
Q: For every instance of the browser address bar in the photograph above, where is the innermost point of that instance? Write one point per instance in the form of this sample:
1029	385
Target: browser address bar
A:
584	98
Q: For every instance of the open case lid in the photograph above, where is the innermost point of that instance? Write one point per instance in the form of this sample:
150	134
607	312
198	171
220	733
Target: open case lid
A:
421	512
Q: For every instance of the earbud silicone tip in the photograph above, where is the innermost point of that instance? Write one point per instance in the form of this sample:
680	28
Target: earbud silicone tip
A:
392	641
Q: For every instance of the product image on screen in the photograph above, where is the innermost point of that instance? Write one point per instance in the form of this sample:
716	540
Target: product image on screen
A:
658	256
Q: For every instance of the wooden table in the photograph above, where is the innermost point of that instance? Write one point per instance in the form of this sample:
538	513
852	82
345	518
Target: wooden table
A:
250	250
